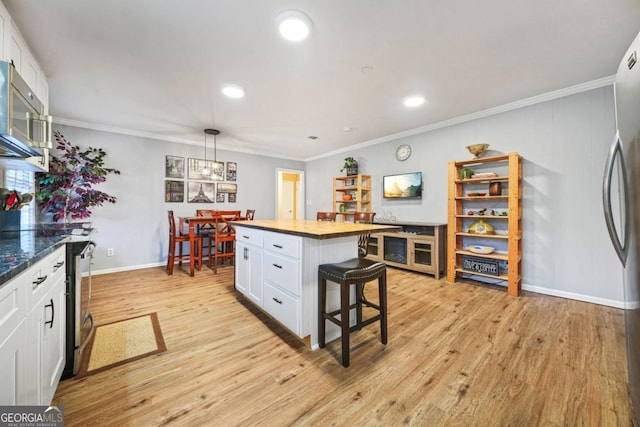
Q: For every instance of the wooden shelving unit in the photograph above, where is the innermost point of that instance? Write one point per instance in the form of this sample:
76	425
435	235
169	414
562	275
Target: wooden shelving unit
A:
359	188
504	214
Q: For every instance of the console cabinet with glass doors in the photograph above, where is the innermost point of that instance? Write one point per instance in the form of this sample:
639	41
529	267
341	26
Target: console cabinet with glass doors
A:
485	221
418	247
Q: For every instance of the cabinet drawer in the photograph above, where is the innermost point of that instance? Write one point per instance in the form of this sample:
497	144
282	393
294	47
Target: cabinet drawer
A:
13	305
249	235
283	308
282	271
43	275
283	244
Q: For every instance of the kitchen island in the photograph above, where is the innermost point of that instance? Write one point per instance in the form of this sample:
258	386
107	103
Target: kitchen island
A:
277	268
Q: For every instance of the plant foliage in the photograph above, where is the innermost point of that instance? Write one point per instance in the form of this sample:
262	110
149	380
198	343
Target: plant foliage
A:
67	189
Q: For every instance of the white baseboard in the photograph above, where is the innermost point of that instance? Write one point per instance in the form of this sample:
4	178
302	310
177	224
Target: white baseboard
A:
578	297
127	268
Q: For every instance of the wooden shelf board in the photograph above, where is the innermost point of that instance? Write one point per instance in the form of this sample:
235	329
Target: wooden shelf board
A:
499	277
482	197
485	179
490	236
503	257
484	216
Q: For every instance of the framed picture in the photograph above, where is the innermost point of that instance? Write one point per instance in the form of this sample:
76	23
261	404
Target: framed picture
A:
174	167
232	169
174	191
219	197
196	166
200	192
231	197
225	187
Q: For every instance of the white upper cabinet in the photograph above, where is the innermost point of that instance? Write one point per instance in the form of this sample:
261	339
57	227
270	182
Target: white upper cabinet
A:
14	48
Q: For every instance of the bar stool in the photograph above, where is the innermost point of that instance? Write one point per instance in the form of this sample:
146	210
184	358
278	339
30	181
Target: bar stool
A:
358	272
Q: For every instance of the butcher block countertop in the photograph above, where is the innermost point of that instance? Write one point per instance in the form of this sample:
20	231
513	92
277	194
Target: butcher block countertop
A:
315	229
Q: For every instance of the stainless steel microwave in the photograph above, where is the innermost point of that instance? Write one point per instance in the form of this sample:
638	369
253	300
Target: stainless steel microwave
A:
25	131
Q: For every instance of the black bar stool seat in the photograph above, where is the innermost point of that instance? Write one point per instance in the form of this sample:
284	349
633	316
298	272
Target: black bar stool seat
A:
358	272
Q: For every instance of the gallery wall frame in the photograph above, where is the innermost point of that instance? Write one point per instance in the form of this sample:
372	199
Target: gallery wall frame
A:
195	167
173	191
200	192
232	171
174	167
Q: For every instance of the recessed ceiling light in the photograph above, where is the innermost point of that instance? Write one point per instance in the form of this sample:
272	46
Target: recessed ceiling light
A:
293	25
414	101
232	90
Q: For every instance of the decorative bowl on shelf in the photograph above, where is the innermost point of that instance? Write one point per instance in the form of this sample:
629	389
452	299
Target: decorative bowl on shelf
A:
481	227
477	249
477	149
346	196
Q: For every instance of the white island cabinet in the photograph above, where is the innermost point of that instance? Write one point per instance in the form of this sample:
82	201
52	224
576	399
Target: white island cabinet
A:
290	252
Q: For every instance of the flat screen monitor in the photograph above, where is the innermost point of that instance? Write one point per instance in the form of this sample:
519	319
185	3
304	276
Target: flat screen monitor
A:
402	186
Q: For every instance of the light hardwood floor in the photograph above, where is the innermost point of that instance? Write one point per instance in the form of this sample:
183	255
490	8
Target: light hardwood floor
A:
458	355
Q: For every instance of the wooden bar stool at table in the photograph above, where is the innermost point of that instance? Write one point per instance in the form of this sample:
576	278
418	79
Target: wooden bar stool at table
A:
357	272
177	238
206	231
225	238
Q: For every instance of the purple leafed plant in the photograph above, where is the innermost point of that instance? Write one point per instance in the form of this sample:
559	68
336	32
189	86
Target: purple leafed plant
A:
67	189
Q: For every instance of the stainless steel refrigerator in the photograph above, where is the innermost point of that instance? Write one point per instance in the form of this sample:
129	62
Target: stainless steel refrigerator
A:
621	198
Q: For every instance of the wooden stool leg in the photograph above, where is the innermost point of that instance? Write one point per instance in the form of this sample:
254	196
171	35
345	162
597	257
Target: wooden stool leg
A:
359	292
322	308
382	293
344	322
171	258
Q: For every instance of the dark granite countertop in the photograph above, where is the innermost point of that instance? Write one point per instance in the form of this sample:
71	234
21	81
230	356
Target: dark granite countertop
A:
21	249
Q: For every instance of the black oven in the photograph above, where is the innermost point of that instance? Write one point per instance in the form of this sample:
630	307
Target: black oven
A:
80	326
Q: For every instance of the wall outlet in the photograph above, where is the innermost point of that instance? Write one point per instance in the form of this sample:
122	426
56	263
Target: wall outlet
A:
110	252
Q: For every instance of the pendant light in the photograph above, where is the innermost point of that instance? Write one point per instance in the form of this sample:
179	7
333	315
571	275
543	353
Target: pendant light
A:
205	170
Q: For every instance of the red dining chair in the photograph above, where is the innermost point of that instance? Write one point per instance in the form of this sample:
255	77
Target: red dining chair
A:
176	239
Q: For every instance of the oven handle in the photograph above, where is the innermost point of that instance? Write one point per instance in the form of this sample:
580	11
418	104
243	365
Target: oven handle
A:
87	252
90	334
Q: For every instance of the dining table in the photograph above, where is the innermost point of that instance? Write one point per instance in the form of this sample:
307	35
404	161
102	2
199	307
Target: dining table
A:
194	221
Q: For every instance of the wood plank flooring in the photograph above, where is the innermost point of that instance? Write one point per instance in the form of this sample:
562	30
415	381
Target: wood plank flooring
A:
458	355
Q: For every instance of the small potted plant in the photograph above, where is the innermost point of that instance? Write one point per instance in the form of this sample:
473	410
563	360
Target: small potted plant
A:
350	165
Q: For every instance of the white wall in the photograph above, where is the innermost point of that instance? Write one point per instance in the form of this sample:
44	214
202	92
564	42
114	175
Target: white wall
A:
136	226
564	143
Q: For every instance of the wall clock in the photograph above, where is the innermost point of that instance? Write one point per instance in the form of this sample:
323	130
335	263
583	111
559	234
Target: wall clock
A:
403	152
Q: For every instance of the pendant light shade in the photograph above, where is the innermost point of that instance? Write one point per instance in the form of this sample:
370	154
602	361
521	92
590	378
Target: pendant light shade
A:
205	170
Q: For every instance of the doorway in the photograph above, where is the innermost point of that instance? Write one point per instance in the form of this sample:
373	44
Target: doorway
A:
290	194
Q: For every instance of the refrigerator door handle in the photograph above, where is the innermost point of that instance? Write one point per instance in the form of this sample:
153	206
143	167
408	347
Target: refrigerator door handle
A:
614	152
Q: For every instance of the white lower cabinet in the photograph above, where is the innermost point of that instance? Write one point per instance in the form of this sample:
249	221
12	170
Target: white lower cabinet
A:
249	271
270	274
33	354
283	307
14	372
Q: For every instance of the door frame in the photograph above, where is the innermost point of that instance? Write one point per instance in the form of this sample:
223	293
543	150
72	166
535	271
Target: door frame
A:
300	205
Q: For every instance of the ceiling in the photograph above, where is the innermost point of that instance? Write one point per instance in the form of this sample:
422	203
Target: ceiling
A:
154	68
